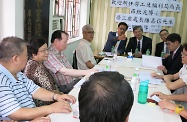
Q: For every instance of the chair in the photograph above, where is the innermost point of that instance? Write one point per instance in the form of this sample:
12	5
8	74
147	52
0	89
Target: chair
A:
74	65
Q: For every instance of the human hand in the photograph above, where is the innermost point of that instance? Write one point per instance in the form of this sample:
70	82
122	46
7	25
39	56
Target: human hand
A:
122	37
41	119
9	121
155	75
165	104
65	97
163	68
61	107
159	94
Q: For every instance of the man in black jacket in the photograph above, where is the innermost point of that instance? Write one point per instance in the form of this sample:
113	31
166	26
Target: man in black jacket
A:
161	46
173	63
139	41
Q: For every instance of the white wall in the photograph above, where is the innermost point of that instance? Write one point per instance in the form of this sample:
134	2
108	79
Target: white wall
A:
11	15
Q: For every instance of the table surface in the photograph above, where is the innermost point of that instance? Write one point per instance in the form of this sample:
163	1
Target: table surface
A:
140	112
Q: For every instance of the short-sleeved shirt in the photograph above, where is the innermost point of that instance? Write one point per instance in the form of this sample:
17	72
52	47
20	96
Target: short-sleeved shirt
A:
15	94
41	76
84	54
56	60
182	90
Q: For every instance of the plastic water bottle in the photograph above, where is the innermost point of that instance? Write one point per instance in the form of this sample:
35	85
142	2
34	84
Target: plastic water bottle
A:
143	91
108	66
148	52
112	50
115	56
134	81
76	111
136	52
162	54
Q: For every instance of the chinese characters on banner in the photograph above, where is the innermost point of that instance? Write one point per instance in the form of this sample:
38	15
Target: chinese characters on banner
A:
147	13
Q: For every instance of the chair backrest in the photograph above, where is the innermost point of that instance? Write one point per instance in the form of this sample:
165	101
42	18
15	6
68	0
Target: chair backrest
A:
74	65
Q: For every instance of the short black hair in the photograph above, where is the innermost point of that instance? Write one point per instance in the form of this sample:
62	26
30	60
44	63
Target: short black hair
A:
185	46
57	35
174	37
137	27
105	97
11	46
34	44
163	30
123	23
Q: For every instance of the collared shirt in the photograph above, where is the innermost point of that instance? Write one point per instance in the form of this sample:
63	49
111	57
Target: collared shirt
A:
117	44
15	94
84	54
175	50
57	60
140	43
183	73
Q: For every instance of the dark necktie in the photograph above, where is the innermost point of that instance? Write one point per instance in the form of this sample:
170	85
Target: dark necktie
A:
138	46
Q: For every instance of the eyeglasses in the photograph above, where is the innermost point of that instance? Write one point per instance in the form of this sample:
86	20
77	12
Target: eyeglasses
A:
122	29
43	51
90	32
183	54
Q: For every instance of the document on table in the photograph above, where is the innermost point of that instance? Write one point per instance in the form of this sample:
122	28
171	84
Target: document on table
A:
108	53
151	61
147	76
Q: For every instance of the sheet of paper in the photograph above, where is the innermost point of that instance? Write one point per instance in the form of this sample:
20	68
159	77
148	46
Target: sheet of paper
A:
154	97
108	53
147	76
151	61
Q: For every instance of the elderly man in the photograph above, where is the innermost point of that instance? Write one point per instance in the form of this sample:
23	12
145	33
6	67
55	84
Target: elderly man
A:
161	46
117	39
140	42
58	65
84	54
105	97
17	91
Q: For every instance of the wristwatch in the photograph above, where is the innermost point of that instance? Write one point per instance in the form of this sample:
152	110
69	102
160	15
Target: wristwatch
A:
179	108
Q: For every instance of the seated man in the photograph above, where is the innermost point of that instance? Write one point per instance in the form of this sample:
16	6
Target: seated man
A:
58	65
17	91
84	54
172	64
105	97
139	41
117	39
161	46
180	94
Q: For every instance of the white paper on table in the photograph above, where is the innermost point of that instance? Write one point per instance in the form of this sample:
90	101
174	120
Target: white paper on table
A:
147	76
108	53
151	61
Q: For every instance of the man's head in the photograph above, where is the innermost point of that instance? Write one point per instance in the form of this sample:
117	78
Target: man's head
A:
163	34
105	97
173	41
122	28
13	52
88	33
138	31
59	40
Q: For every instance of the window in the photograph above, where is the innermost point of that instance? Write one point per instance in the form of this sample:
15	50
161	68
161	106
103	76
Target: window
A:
69	12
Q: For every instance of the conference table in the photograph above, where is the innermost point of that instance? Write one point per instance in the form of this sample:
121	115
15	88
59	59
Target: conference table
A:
140	112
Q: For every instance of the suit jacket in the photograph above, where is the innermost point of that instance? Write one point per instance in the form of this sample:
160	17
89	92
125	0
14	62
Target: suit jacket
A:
159	48
173	65
146	44
111	41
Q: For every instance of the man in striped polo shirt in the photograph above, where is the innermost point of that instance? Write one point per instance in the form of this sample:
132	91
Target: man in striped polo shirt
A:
17	91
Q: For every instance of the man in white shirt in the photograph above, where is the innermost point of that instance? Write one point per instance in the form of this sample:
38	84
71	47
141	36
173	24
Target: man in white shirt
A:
85	57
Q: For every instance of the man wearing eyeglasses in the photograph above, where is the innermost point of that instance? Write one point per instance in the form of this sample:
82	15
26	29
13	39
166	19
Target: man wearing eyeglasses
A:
161	46
173	63
140	42
84	54
117	39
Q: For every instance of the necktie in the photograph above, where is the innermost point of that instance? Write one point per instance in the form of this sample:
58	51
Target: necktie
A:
138	46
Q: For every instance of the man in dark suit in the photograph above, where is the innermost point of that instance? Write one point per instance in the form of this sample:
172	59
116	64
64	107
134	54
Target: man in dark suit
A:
173	63
161	46
139	41
117	39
